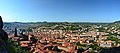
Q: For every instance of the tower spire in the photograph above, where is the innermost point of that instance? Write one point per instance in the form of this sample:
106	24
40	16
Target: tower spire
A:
15	34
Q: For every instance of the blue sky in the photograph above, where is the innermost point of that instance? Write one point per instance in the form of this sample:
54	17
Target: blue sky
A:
60	10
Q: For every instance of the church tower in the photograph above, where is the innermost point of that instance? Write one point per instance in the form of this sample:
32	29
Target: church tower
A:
15	34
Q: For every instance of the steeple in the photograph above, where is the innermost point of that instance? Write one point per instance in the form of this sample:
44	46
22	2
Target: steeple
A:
15	34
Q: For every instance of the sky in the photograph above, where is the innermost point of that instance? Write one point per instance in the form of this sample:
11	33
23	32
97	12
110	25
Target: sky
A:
60	10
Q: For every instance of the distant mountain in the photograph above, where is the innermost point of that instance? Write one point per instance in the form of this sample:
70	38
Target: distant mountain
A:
117	22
